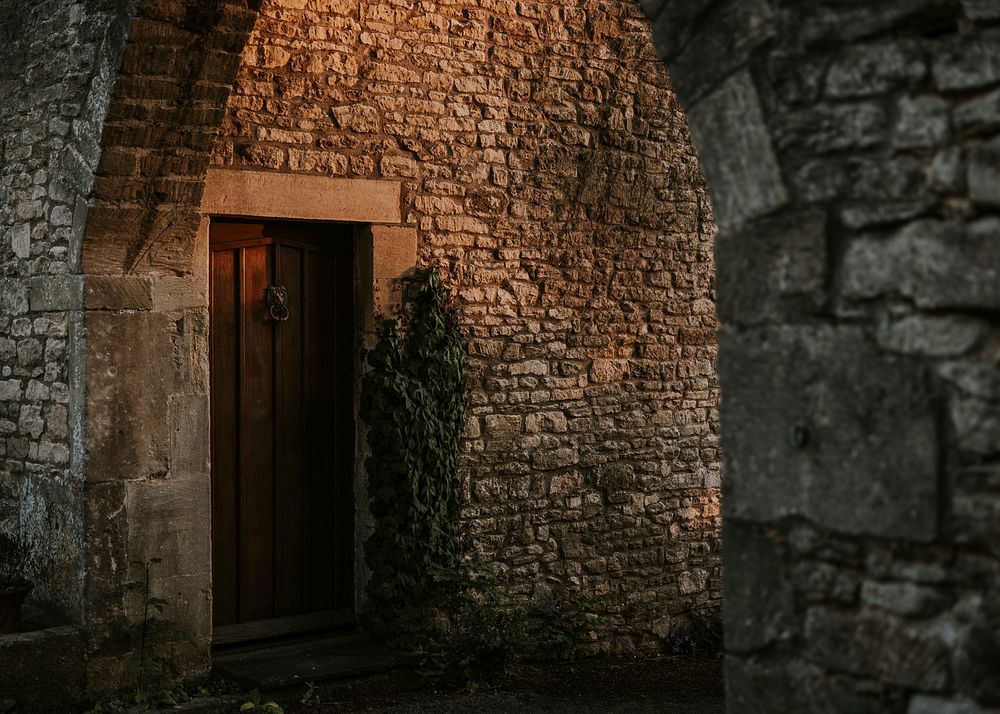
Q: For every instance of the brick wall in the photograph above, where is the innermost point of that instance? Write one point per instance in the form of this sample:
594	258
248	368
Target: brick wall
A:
547	167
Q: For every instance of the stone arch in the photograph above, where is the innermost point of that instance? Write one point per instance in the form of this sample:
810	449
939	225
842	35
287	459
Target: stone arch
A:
846	148
851	486
144	303
145	300
178	68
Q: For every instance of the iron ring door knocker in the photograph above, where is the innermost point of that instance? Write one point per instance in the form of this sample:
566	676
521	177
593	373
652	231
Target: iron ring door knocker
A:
276	298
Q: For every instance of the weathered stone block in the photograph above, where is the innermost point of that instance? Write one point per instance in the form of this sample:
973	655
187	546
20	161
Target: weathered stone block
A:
132	371
190	445
724	41
20	240
938	264
931	335
921	122
502	425
832	128
394	251
550	422
530	367
603	371
736	153
301	197
184	503
51	293
10	390
771	268
984	174
29	352
106	552
758	603
869	643
907	599
968	61
43	671
30	421
171	292
826	427
980	115
555	458
117	292
13	297
133	240
866	70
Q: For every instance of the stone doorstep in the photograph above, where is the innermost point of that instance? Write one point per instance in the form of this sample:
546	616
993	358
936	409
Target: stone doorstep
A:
279	665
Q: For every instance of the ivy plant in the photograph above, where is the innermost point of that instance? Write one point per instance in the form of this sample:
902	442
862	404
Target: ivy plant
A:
413	402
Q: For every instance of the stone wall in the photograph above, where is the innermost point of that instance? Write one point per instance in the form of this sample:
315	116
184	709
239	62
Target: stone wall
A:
59	60
547	167
852	154
145	293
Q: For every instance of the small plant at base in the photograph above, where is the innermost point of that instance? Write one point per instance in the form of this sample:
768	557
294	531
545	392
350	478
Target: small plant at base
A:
310	698
148	601
556	627
145	635
481	634
699	635
256	705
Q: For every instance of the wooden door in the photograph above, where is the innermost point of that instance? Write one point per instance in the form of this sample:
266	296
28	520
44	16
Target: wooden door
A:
282	423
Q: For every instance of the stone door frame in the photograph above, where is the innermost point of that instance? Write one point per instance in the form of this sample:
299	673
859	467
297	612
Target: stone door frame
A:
385	250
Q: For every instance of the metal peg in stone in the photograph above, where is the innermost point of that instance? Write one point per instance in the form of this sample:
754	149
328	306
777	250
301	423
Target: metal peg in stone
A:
800	436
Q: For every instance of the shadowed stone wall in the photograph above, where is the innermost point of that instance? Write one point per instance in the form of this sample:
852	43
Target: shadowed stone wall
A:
59	61
547	169
852	153
103	390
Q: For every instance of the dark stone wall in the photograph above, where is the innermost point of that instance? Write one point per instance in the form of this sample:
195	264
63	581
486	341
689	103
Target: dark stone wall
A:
851	151
59	61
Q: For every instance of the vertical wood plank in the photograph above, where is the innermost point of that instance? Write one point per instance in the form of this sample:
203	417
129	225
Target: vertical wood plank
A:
322	545
344	416
289	439
257	443
224	366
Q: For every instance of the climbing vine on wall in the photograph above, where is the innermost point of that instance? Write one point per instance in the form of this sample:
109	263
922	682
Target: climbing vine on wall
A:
413	402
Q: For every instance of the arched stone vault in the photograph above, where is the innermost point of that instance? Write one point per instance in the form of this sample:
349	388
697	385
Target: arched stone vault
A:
169	99
851	153
656	558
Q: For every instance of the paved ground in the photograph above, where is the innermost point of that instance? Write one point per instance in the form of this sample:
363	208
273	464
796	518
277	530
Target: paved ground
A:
662	684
